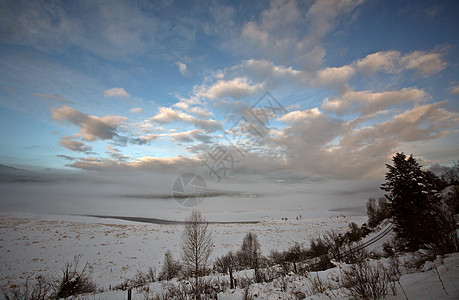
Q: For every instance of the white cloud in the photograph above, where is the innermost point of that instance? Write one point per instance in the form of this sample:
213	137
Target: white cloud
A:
367	102
386	61
168	115
195	110
183	69
116	153
318	143
115	30
55	98
334	76
91	127
116	92
74	145
264	70
162	164
392	62
236	88
300	116
269	76
455	90
279	34
190	136
426	63
137	110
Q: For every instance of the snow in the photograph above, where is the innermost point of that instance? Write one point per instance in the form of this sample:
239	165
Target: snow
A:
116	249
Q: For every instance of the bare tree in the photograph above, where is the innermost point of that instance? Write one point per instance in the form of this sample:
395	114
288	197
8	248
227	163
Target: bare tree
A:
196	246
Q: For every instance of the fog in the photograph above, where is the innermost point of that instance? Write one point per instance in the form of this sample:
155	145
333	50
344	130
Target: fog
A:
149	194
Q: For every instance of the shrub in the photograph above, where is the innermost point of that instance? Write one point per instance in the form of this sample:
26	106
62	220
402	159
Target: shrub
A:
299	295
43	288
250	254
247	295
355	255
226	264
388	249
354	234
74	282
322	264
317	248
171	267
364	281
317	285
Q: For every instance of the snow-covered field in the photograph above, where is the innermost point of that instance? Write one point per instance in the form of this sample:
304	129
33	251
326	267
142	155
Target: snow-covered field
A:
34	245
116	249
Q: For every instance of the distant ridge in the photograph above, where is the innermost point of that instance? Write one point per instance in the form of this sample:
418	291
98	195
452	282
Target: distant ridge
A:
12	174
161	221
8	169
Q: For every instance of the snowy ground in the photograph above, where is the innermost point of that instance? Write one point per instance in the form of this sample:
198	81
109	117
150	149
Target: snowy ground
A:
116	249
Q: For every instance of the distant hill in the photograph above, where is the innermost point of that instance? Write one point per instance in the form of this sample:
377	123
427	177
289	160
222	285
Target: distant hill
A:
8	169
11	174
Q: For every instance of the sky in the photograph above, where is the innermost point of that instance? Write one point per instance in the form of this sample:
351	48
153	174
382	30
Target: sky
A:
291	89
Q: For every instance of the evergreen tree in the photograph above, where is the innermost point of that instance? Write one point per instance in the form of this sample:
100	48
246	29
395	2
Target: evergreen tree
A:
412	201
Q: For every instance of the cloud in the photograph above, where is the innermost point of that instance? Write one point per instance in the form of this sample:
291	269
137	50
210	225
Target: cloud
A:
334	76
183	69
75	145
195	110
115	153
91	127
392	62
136	110
115	30
300	116
266	71
335	147
312	142
455	89
236	88
116	92
190	136
367	102
55	98
66	157
161	164
252	76
279	34
168	115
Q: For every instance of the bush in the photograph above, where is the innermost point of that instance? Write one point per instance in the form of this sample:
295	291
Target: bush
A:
207	289
290	257
250	254
317	285
74	282
140	280
317	248
353	256
171	267
366	282
247	295
322	264
43	288
388	249
354	234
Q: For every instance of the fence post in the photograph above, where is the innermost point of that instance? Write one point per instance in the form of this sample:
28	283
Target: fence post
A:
129	294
